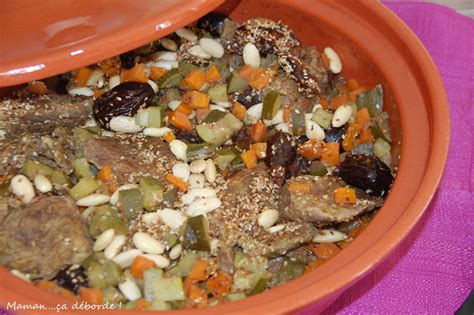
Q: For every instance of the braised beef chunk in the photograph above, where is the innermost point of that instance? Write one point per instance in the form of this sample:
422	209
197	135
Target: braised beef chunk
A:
44	236
248	193
318	205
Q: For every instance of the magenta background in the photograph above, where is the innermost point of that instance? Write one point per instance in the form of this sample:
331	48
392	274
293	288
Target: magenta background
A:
432	271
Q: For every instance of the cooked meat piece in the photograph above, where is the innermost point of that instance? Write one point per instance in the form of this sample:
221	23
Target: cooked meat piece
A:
129	156
44	236
40	115
225	259
288	89
311	59
249	192
318	206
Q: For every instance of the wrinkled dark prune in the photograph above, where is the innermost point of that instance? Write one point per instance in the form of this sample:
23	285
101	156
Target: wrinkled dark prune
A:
247	98
72	278
123	100
299	166
335	134
212	23
367	173
242	139
128	59
186	136
281	150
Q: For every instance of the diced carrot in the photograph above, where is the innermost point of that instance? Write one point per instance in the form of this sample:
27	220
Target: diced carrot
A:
197	295
325	250
112	187
260	80
180	121
352	84
195	79
363	117
196	99
185	109
353	94
250	159
142	304
299	187
365	135
140	265
286	114
201	114
330	154
246	72
169	137
37	87
82	75
199	270
344	195
136	74
183	85
91	295
53	287
313	265
213	74
239	110
343	89
176	181
110	66
311	149
350	136
325	60
188	282
220	283
337	101
105	174
157	72
47	285
98	92
324	103
260	149
258	131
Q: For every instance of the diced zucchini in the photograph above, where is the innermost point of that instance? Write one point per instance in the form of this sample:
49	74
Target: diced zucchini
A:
298	123
130	202
237	163
171	79
290	270
112	273
84	187
221	66
185	265
269	60
160	306
236	83
155	116
218	93
96	130
152	190
271	105
219	132
380	127
322	118
259	282
103	218
317	168
170	239
141	118
169	289
101	276
112	295
197	151
196	234
32	168
214	115
82	168
169	197
382	150
372	99
185	68
150	276
236	296
94	258
250	263
225	156
59	178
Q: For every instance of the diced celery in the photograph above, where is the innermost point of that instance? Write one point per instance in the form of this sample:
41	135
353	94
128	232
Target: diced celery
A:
141	118
84	187
169	289
218	93
82	168
322	118
372	99
382	150
32	168
149	277
130	202
152	190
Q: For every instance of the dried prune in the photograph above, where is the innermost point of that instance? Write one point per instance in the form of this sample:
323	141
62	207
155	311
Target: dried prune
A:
212	23
242	139
281	150
123	100
299	166
248	98
128	59
365	172
335	134
72	278
186	136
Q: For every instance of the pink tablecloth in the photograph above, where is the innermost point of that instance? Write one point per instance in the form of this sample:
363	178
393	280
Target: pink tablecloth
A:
432	271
